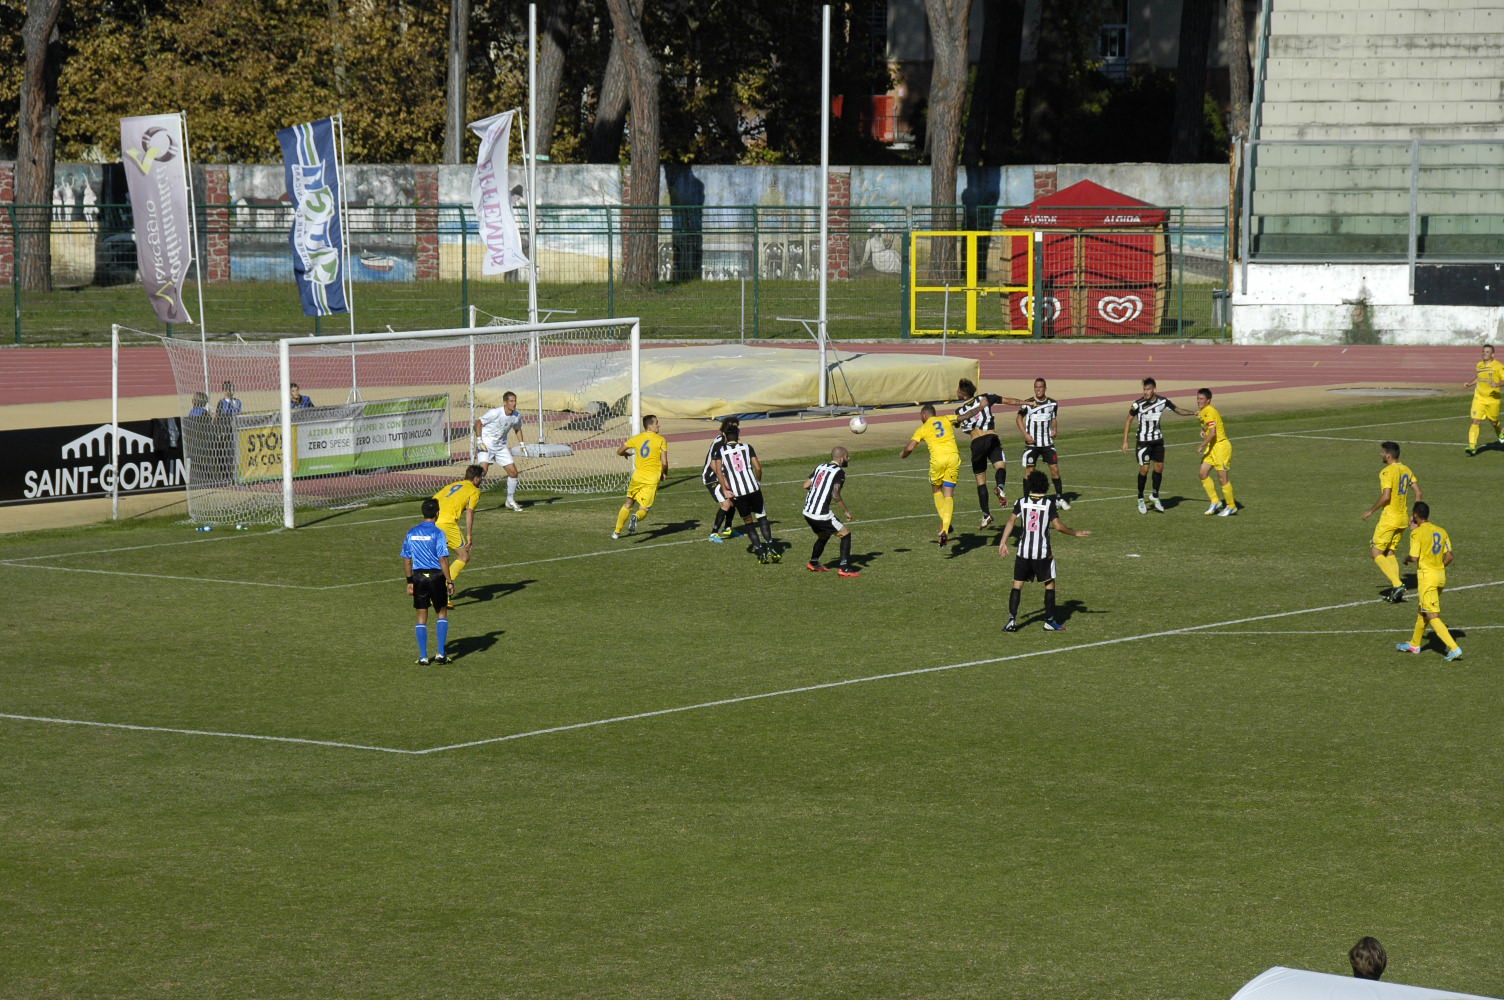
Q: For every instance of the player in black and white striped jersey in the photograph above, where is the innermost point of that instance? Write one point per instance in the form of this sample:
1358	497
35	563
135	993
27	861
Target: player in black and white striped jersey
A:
1036	420
821	490
1149	409
739	474
974	416
1036	513
721	530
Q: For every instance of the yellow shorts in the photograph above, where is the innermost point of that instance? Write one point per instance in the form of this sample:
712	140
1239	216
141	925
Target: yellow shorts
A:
1428	594
643	493
1386	537
1220	457
1484	409
947	472
454	536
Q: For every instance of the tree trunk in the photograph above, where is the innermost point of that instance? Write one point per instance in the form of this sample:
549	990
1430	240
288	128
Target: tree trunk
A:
554	35
640	224
1190	80
994	97
610	109
949	34
37	143
1237	69
459	59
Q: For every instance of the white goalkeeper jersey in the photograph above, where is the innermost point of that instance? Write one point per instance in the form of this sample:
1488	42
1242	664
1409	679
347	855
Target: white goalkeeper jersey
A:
496	424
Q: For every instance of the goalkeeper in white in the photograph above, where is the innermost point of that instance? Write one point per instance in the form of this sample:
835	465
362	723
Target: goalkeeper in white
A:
491	431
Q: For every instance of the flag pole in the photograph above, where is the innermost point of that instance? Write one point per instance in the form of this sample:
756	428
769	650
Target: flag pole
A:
344	230
532	162
824	188
198	265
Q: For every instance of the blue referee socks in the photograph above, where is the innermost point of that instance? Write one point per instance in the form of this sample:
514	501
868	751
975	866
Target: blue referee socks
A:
422	631
443	635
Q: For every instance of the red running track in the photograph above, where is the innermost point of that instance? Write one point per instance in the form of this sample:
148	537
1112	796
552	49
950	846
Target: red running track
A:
63	374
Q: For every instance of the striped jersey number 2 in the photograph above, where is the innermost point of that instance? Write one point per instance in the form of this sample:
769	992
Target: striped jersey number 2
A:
1032	522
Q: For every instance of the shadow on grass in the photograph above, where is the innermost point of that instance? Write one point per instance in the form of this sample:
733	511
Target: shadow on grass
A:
468	645
492	591
667	529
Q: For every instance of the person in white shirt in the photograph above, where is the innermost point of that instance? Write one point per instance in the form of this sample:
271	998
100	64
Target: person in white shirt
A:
491	431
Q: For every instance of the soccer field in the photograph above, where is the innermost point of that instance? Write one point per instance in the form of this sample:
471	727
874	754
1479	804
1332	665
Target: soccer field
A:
660	769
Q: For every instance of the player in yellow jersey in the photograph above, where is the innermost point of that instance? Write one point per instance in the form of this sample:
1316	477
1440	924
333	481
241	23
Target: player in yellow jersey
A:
649	451
1396	483
1431	551
1216	453
939	435
1486	385
459	497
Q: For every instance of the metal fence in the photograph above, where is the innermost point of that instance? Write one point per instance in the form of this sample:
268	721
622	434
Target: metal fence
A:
721	272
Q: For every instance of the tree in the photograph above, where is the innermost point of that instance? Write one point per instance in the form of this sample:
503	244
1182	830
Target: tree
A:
1237	67
610	122
640	226
554	36
1190	80
950	22
994	96
37	145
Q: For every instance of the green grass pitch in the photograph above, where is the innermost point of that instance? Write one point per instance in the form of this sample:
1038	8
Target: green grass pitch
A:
661	770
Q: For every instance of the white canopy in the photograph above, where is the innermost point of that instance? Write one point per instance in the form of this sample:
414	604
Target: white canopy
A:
1280	983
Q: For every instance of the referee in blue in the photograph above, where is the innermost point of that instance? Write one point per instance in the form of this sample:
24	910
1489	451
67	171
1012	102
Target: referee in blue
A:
425	562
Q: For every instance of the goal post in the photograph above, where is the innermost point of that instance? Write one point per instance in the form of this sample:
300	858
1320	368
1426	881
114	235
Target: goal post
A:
390	415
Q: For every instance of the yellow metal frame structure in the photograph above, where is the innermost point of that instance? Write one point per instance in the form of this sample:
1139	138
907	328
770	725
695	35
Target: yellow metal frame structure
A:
972	292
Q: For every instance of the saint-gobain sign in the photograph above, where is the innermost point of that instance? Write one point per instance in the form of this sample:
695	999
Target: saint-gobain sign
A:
71	463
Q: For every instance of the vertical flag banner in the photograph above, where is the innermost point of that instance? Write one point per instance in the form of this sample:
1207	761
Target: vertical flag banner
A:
155	161
488	190
317	244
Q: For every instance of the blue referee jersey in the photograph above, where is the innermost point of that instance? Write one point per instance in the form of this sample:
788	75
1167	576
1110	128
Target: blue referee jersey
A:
425	545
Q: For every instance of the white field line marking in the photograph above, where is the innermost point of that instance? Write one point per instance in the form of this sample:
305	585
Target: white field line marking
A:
203	732
595	723
909	673
159	576
1352	631
1329	437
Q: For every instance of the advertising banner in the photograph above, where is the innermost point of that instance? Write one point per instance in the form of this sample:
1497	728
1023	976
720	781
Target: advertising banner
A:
335	440
156	174
318	244
488	190
72	463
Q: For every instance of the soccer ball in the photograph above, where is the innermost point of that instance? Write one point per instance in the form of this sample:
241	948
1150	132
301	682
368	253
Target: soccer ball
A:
858	425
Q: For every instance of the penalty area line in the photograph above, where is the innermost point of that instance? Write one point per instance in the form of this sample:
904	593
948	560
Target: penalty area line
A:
894	675
203	732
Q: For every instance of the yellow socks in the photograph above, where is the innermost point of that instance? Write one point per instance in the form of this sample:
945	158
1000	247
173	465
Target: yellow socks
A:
1211	488
1390	567
455	565
621	518
1443	632
1472	436
1227	494
946	507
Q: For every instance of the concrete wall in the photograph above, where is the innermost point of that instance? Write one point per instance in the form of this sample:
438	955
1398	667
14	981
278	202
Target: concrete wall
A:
1324	303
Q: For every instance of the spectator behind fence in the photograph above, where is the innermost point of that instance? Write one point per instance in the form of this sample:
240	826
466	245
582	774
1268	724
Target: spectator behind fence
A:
1368	958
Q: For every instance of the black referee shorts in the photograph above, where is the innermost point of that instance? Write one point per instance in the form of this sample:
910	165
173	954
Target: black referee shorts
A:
430	588
986	451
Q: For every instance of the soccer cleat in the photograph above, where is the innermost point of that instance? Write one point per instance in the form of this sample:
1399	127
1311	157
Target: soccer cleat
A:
944	538
1157	505
422	661
1216	507
632	524
1396	596
1453	654
1051	625
1227	512
715	536
1405	647
847	571
986	521
615	534
1471	452
815	567
762	556
514	505
727	532
1012	626
1143	508
774	555
1002	496
1501	438
441	658
1062	503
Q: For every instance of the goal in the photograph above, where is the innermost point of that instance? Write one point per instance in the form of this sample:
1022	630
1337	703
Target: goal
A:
392	414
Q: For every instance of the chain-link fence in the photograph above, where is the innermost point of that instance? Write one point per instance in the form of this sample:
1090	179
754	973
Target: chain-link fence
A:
721	272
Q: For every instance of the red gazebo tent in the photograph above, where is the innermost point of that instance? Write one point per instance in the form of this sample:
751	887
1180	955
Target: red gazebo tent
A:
1103	272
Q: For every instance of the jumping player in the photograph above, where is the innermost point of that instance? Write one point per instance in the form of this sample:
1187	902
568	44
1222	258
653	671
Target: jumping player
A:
821	489
974	416
1148	410
1036	511
939	435
1036	419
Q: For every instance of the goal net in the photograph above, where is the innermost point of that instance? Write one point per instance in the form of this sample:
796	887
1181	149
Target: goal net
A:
391	415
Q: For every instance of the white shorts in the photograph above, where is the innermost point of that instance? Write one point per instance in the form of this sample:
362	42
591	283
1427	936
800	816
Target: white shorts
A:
494	454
